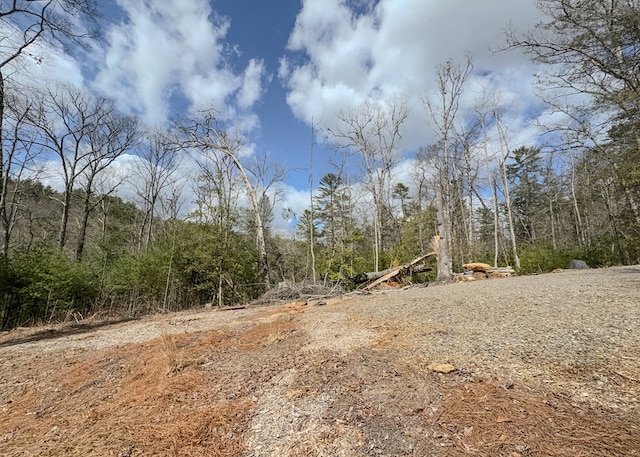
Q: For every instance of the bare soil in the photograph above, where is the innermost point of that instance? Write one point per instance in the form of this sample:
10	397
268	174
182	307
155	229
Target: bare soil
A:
546	365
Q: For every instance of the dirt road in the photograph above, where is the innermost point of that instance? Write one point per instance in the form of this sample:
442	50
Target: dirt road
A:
545	365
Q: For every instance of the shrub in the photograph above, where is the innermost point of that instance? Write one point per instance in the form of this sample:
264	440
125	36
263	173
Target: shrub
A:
542	258
42	284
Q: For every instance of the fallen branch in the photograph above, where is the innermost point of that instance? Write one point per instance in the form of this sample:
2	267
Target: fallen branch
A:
232	308
395	271
372	276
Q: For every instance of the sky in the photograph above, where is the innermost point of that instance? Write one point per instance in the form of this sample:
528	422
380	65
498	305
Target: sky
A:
274	68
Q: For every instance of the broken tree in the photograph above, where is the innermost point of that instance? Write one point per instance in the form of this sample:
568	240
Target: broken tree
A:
385	275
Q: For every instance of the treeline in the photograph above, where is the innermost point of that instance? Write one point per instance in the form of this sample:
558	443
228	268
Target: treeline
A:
470	195
186	264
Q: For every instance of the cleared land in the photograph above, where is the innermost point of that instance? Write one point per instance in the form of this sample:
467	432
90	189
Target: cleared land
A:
546	365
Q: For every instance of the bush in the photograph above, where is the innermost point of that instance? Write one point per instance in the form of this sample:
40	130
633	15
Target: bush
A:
42	284
183	269
542	258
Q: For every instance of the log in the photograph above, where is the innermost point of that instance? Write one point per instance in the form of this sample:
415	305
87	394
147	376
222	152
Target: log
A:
502	270
392	272
233	308
476	266
371	276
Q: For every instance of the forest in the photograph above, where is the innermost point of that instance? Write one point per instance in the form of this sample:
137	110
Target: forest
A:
79	250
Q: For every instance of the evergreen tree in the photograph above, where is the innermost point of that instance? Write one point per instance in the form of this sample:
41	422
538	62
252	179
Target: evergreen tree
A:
525	179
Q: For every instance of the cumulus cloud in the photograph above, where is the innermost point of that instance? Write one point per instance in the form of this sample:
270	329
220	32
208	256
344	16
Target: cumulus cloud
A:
340	55
174	49
251	89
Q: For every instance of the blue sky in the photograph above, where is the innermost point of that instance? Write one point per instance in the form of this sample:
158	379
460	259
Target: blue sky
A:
253	31
272	67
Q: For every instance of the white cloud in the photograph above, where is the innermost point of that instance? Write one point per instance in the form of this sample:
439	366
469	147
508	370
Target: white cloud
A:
288	208
339	57
251	89
174	48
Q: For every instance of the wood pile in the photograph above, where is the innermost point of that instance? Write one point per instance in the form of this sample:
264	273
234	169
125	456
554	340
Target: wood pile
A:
477	270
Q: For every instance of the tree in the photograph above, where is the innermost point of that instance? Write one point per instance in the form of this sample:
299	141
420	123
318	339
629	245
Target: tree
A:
312	235
57	22
114	135
443	110
67	118
401	192
524	175
330	200
334	208
502	165
266	177
19	155
203	132
373	131
592	48
157	166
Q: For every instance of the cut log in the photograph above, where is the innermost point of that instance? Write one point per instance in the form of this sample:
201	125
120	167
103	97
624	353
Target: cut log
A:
478	271
477	266
392	272
502	270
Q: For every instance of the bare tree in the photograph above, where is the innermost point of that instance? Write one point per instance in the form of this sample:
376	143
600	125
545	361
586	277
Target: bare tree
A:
19	155
312	241
155	172
204	133
267	175
27	22
112	137
443	109
67	118
589	47
504	156
373	131
217	191
592	48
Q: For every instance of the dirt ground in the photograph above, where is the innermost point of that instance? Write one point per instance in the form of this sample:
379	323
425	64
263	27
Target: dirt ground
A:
545	365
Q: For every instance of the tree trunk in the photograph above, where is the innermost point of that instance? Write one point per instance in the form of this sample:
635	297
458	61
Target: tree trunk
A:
373	275
83	226
395	271
312	250
260	241
3	178
512	233
576	208
66	204
376	235
445	272
496	219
